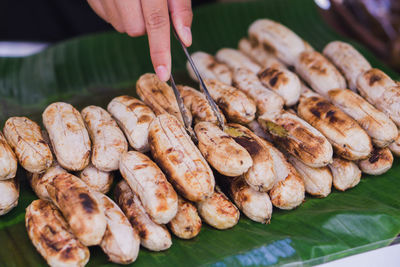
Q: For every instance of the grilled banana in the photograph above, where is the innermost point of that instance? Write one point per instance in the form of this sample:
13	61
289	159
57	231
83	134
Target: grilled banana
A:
25	138
145	178
8	160
52	237
134	118
121	242
379	127
153	236
268	102
319	73
209	68
79	207
261	175
221	151
235	104
187	223
282	81
346	174
158	95
108	140
348	139
97	180
39	181
235	59
68	135
348	60
254	204
197	104
277	39
218	211
317	181
298	138
9	194
380	161
180	159
381	91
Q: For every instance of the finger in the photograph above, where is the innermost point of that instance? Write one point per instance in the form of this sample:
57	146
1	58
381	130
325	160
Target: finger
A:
112	14
156	18
182	16
98	8
131	17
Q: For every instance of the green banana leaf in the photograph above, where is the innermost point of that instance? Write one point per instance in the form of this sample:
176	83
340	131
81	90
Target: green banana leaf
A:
94	69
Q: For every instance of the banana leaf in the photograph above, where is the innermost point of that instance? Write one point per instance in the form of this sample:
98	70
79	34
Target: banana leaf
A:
93	69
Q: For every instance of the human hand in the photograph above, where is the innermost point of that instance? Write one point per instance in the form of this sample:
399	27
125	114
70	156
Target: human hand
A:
138	17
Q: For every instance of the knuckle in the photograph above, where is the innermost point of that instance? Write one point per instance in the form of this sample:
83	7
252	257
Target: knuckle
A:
156	19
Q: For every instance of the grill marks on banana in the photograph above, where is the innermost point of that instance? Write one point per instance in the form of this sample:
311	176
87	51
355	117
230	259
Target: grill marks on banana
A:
276	78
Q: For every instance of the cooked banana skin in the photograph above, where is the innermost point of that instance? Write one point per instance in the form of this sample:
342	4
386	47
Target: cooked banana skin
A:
235	104
158	95
209	68
277	39
236	59
79	207
381	91
256	52
254	204
187	223
268	102
120	242
153	236
317	181
288	191
96	179
134	118
282	81
300	139
52	237
197	104
181	161
25	138
347	137
108	141
379	127
39	181
145	178
395	146
8	160
348	60
346	174
9	194
261	175
380	161
221	151
68	135
218	211
319	72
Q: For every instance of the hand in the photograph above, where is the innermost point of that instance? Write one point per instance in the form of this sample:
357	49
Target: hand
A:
137	17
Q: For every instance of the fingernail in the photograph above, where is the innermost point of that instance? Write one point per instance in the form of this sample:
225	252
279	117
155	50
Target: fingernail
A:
187	36
162	73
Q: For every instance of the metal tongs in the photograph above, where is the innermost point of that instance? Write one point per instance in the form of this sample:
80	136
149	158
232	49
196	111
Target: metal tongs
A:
203	88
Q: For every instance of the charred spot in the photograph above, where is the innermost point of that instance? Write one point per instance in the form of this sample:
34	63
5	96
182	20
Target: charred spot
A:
273	81
67	253
373	79
374	157
143	234
169	150
144	119
140	166
41	141
249	144
315	112
129	202
50	243
267	46
331	116
188	229
253	41
134	105
87	203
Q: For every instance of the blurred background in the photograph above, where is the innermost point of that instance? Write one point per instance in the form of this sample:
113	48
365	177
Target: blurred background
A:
375	23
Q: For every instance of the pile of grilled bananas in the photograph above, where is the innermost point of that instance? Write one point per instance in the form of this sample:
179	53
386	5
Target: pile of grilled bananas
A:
281	140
